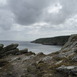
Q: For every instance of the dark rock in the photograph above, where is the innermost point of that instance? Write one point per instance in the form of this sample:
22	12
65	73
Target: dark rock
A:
23	51
40	54
10	47
3	62
60	40
13	52
75	51
69	70
30	53
1	46
74	58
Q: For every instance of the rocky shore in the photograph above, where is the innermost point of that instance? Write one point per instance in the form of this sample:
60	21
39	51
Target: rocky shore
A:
59	40
24	63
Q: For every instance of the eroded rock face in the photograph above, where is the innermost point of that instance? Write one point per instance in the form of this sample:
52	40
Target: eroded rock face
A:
71	44
70	47
10	47
69	70
12	50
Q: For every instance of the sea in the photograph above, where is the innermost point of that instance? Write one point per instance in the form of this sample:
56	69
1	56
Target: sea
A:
37	48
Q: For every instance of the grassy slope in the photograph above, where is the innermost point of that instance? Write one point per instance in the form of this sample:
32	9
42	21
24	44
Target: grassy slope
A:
60	40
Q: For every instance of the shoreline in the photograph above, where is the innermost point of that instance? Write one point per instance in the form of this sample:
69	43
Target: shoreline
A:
22	63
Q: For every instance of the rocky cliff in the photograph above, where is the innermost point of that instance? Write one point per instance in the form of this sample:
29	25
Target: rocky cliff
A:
60	40
23	63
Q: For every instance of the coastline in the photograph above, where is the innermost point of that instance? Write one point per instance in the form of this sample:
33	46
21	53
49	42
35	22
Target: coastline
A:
58	40
22	63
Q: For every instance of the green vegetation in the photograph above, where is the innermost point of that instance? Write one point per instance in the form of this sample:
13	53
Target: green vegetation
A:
60	40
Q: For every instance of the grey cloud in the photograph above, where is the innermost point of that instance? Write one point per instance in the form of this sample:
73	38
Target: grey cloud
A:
69	9
28	11
6	20
6	17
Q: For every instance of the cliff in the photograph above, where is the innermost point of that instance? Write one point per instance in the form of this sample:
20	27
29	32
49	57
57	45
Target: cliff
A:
60	40
23	63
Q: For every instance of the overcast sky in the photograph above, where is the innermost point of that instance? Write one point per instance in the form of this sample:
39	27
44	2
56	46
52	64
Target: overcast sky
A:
31	19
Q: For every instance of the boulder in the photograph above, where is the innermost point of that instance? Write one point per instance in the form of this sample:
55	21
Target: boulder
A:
69	70
46	59
23	51
3	62
40	54
70	47
10	47
13	52
1	46
74	58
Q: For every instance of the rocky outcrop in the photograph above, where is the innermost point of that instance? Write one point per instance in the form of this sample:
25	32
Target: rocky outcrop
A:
1	46
70	47
22	63
60	40
12	50
68	70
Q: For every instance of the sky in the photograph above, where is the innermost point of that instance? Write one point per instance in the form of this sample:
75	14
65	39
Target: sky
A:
27	20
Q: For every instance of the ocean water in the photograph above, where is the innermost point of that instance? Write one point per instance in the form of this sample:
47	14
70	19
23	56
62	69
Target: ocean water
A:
46	49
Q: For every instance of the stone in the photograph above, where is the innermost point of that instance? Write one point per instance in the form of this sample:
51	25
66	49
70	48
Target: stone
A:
69	70
46	59
13	52
70	47
23	51
10	47
3	62
1	46
40	54
74	58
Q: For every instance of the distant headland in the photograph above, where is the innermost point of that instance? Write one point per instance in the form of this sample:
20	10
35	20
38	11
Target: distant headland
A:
58	40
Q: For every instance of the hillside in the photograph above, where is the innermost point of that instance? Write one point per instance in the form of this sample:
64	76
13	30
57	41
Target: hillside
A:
22	63
60	40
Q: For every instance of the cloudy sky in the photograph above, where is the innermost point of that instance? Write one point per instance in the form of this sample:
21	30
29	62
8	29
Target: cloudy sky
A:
31	19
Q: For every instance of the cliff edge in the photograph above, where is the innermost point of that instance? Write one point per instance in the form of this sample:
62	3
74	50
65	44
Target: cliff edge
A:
22	63
59	40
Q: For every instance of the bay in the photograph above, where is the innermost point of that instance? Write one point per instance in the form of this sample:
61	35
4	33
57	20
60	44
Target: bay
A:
46	49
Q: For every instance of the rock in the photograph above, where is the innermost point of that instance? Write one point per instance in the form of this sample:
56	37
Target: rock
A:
70	47
23	63
72	43
29	53
59	62
69	70
40	54
23	51
46	59
1	46
47	75
74	58
75	51
10	47
3	62
13	52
